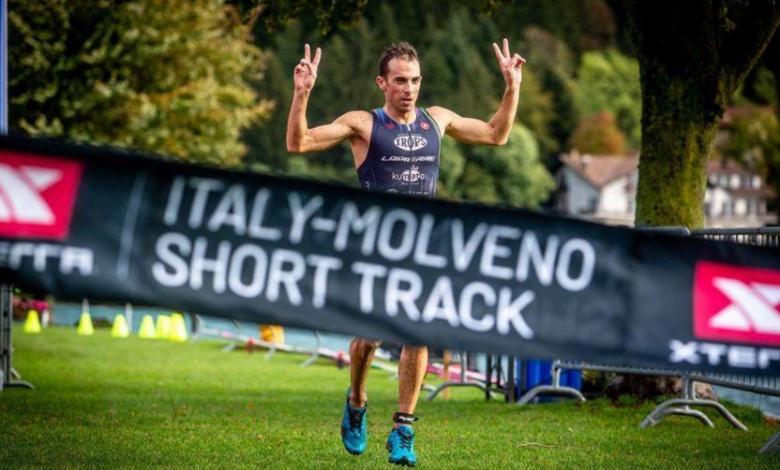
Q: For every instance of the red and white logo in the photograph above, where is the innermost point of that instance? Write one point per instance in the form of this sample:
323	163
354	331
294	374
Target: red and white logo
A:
736	304
37	195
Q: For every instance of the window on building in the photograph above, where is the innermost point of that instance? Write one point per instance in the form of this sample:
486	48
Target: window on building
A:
756	182
740	206
734	181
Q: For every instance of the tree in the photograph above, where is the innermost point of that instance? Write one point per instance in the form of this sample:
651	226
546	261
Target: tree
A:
536	111
167	77
609	81
451	167
599	135
692	58
580	24
754	140
269	16
553	64
511	174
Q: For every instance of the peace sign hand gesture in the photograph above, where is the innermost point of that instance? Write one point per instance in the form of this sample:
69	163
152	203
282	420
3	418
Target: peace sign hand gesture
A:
511	66
305	73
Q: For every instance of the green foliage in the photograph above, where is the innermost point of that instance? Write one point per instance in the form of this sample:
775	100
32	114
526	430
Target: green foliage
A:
579	24
599	135
511	174
452	165
552	62
754	139
609	81
765	87
169	77
536	110
269	16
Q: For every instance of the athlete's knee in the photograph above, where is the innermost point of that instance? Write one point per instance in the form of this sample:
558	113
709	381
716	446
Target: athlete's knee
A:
415	349
364	343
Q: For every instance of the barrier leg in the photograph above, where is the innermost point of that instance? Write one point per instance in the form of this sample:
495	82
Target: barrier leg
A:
554	389
9	377
314	354
665	409
772	445
510	381
464	382
540	390
681	406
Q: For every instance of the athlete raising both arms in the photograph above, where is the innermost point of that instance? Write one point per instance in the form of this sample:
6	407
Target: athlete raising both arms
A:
396	149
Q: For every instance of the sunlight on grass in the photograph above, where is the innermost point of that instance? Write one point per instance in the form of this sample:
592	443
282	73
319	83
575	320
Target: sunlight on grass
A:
108	402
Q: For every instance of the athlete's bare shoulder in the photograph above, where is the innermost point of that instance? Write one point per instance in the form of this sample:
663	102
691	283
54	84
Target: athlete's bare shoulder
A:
356	119
443	116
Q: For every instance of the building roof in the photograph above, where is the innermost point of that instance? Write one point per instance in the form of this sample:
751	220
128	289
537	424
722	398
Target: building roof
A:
727	166
600	170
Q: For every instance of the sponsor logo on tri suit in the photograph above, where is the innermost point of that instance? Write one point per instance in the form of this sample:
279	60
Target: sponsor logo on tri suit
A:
410	142
409	176
408	159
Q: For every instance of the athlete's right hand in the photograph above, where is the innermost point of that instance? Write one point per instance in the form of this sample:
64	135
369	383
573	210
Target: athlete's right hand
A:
305	73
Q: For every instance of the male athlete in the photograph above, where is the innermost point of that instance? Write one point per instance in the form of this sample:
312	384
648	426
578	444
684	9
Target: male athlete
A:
396	149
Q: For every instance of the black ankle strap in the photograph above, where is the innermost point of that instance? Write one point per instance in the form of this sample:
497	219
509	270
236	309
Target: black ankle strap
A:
403	418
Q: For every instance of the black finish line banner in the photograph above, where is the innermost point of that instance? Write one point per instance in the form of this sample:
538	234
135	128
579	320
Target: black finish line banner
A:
84	222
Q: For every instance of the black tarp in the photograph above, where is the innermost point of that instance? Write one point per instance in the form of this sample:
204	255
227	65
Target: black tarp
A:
86	222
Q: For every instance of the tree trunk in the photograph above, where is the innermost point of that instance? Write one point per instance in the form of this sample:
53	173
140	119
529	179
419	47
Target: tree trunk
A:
692	57
672	168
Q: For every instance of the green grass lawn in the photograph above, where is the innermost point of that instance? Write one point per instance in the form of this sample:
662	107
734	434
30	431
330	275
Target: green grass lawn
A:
104	402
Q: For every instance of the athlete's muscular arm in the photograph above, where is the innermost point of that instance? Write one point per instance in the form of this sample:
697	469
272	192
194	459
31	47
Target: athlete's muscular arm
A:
300	138
495	131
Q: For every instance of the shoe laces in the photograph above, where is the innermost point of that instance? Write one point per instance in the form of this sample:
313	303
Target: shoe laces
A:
355	417
406	440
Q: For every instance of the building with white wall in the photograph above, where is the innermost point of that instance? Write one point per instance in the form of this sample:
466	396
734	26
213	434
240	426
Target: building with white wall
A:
603	188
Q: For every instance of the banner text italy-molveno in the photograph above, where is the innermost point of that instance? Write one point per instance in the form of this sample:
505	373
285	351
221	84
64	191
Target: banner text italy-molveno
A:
302	253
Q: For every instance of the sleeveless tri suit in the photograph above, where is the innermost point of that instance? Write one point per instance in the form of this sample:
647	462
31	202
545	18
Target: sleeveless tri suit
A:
402	158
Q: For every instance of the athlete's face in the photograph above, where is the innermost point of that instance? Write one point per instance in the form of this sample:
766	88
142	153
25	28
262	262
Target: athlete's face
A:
401	85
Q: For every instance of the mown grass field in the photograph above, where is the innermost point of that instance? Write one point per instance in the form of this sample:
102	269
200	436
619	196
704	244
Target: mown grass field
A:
104	402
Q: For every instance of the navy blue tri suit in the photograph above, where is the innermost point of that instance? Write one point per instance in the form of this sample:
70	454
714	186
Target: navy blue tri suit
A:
402	158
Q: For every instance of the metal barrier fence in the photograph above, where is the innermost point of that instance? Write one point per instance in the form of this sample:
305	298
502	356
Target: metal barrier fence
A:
9	377
765	237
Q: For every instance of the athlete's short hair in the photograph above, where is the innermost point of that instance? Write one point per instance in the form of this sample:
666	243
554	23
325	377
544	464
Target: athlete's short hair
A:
402	50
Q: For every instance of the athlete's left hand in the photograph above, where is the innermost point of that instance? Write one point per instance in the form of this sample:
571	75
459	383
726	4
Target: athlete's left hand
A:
511	65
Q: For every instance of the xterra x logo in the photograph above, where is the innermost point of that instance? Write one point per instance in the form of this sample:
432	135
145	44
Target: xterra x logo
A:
736	304
37	195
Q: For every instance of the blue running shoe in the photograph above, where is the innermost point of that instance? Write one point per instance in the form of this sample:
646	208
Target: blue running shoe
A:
354	431
400	443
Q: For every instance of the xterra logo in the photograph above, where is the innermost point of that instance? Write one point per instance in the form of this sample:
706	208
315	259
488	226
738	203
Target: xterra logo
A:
37	195
736	304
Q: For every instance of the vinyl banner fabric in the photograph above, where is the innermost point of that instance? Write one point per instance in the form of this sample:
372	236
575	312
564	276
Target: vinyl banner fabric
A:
84	222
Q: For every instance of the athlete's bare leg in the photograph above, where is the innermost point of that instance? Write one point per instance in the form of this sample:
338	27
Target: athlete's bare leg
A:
361	353
411	372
